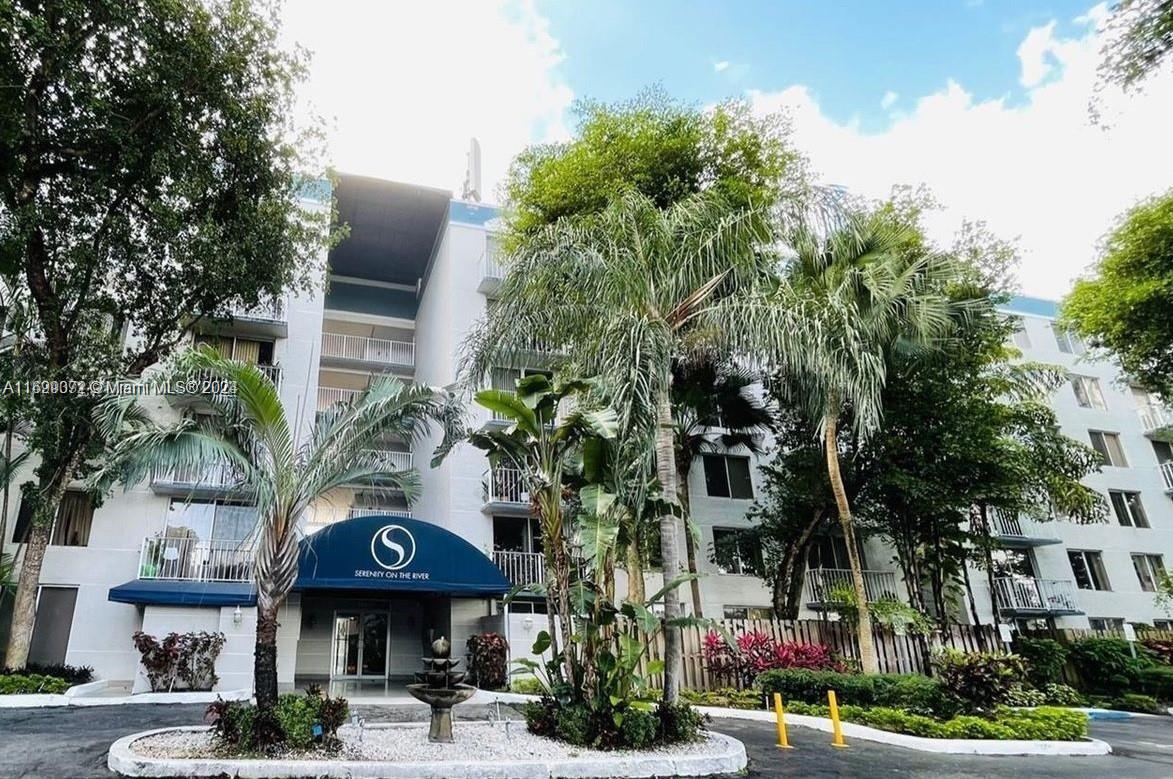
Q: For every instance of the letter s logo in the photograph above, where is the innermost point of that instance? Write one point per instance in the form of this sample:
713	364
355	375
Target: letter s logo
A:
393	547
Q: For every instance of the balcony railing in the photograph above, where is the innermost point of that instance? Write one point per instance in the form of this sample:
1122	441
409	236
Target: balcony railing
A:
268	311
1167	475
1022	594
505	485
222	476
521	568
328	396
392	461
823	585
372	511
207	382
1153	418
186	558
1012	529
491	269
370	350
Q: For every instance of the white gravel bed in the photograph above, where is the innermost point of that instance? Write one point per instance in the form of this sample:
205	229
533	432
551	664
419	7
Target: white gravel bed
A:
408	742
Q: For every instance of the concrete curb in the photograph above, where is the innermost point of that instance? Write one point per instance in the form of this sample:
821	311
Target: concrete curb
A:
90	695
951	746
728	757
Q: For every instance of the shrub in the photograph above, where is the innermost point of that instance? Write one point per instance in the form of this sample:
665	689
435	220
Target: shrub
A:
1157	682
980	680
679	722
1106	665
526	685
541	717
1044	659
572	724
31	684
914	693
74	674
728	698
756	652
307	721
489	657
1131	701
1062	695
1048	724
1161	649
1021	695
638	728
189	658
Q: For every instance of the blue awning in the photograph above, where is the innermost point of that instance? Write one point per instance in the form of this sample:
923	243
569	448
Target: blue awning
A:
176	593
391	553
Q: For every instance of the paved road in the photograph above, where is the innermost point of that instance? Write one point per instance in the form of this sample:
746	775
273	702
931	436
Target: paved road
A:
71	743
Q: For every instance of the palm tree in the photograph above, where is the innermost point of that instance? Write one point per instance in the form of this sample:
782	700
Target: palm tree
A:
625	293
251	433
715	409
846	303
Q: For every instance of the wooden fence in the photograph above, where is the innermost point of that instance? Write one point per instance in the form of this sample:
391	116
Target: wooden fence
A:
896	653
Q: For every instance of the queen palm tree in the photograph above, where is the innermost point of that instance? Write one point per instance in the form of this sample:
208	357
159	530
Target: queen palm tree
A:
624	293
846	303
283	472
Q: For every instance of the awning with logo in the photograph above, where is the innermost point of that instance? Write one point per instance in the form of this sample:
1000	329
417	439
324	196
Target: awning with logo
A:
392	553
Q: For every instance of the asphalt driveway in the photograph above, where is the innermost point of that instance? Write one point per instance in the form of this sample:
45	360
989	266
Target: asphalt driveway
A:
71	743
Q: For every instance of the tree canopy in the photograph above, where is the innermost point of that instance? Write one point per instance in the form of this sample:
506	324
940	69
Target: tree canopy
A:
1124	307
1140	40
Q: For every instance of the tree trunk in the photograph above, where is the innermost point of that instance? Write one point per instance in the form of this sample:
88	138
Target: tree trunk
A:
788	580
689	541
669	543
635	572
265	657
867	648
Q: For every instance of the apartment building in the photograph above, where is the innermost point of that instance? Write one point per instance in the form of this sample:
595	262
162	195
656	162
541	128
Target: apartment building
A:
380	578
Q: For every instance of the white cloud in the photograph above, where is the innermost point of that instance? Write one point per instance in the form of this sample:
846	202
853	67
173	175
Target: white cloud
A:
1037	169
720	66
403	86
889	99
1034	54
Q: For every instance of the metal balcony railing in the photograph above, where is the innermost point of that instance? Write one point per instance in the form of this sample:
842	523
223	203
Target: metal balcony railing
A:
505	485
1011	528
186	558
269	311
1167	475
392	461
371	511
207	382
491	264
1028	595
521	568
371	350
328	396
1153	418
823	585
222	476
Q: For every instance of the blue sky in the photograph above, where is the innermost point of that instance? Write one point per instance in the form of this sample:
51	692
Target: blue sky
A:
849	54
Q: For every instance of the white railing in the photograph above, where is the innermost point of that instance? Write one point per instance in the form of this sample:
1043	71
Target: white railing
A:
328	396
490	264
270	310
1022	593
215	476
371	511
823	585
392	461
504	485
186	558
1153	418
378	350
521	568
1011	526
206	382
1167	475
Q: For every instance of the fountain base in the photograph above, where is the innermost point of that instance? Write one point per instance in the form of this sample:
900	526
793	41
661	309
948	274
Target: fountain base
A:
441	699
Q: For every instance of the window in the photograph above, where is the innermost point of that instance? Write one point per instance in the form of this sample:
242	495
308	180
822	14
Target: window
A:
1106	623
1128	509
1108	445
1068	341
735	550
518	606
240	349
210	520
1163	624
1150	568
516	534
727	476
1020	337
828	552
75	516
748	612
1088	568
1163	452
1087	392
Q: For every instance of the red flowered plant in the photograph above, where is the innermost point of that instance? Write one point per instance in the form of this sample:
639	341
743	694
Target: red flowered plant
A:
756	652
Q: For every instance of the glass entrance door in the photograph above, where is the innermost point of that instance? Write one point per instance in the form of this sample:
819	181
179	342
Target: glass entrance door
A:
360	645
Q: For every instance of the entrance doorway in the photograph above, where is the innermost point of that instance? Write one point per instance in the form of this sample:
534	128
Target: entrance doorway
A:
360	645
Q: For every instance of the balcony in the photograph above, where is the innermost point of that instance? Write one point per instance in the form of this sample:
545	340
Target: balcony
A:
390	461
491	272
823	585
375	354
328	396
1018	532
1154	418
1166	470
505	492
1022	596
208	482
521	568
198	386
321	519
267	319
190	559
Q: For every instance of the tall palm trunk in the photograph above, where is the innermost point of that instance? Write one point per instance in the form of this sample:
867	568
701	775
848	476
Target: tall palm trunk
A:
276	571
867	647
635	570
682	470
669	543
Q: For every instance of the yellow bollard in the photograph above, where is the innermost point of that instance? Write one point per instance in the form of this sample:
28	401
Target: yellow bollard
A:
836	728
783	741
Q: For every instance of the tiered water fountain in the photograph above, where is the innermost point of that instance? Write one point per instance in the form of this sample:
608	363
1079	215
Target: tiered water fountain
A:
441	688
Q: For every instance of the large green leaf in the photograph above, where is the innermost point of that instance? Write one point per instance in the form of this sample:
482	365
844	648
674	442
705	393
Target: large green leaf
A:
509	405
671	585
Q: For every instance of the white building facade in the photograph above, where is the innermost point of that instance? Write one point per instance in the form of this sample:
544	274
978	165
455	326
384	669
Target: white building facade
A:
404	289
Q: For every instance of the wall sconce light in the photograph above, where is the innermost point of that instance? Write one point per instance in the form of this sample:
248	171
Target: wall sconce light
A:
237	617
